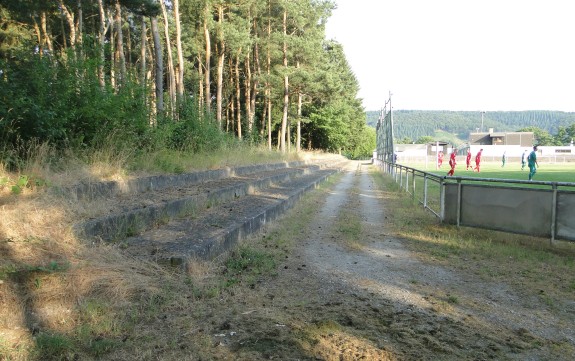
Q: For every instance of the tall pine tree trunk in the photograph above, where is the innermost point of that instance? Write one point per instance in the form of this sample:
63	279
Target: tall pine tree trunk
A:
120	43
200	85
113	62
208	56
255	84
299	106
268	86
47	37
80	28
143	56
286	87
159	66
247	92
180	67
298	135
69	16
38	36
221	49
238	95
171	72
102	43
231	113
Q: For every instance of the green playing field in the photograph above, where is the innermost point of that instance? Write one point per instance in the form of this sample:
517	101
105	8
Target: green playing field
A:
559	172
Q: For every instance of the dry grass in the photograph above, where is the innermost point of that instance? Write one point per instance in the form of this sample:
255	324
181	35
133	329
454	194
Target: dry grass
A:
57	292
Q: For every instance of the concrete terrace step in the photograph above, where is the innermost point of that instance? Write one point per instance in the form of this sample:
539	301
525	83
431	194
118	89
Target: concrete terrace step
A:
92	190
220	228
139	210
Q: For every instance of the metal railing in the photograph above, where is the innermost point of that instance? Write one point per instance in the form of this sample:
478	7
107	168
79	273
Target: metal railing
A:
424	187
542	209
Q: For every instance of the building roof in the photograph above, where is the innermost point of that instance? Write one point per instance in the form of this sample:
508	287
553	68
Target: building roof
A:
499	134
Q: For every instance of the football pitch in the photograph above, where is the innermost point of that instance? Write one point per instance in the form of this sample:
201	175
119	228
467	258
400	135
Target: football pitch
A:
547	172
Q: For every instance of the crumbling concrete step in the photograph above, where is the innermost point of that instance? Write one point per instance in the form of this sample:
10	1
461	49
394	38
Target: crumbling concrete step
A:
93	190
220	228
162	206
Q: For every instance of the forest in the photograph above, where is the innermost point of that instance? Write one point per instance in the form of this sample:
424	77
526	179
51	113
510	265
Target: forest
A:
550	127
189	75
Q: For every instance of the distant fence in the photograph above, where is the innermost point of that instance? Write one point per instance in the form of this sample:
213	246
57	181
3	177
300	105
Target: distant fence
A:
545	209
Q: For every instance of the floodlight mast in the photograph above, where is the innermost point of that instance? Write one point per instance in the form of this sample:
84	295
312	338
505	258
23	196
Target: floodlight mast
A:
391	147
384	132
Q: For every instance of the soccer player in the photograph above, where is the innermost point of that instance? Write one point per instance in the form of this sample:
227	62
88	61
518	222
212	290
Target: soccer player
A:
532	162
524	160
440	159
452	162
478	160
468	160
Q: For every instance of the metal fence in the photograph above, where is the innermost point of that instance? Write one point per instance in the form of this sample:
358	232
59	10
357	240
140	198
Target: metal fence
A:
544	209
424	187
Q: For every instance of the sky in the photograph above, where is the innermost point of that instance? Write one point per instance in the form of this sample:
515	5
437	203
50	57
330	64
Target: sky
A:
473	55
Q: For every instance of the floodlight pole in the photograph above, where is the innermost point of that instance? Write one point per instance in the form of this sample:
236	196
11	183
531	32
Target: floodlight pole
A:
391	128
482	112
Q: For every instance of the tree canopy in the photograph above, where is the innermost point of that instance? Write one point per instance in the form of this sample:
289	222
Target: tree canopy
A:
75	72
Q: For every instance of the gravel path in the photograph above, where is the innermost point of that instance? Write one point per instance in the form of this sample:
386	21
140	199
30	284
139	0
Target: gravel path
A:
489	320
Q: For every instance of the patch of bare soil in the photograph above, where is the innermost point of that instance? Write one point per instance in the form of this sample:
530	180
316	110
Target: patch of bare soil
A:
372	301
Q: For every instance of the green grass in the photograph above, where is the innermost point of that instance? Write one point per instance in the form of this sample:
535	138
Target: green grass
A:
52	346
559	172
247	264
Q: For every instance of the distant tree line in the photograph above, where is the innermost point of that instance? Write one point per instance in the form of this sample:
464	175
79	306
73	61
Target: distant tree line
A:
180	73
550	127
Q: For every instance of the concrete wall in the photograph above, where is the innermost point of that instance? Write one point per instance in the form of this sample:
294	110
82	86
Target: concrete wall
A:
525	211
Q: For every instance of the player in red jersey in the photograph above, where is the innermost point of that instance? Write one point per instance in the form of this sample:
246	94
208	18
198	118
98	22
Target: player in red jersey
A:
478	160
452	162
468	160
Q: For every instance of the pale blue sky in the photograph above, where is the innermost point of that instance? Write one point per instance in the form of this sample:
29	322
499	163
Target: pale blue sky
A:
460	54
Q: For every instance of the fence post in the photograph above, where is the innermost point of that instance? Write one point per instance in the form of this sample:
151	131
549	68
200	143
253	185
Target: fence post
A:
458	202
407	180
554	213
413	182
442	199
425	191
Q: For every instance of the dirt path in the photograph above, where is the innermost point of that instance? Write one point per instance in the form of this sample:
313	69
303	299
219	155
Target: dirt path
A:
431	310
383	265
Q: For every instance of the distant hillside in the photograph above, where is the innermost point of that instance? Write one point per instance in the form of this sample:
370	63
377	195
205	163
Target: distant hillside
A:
418	123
